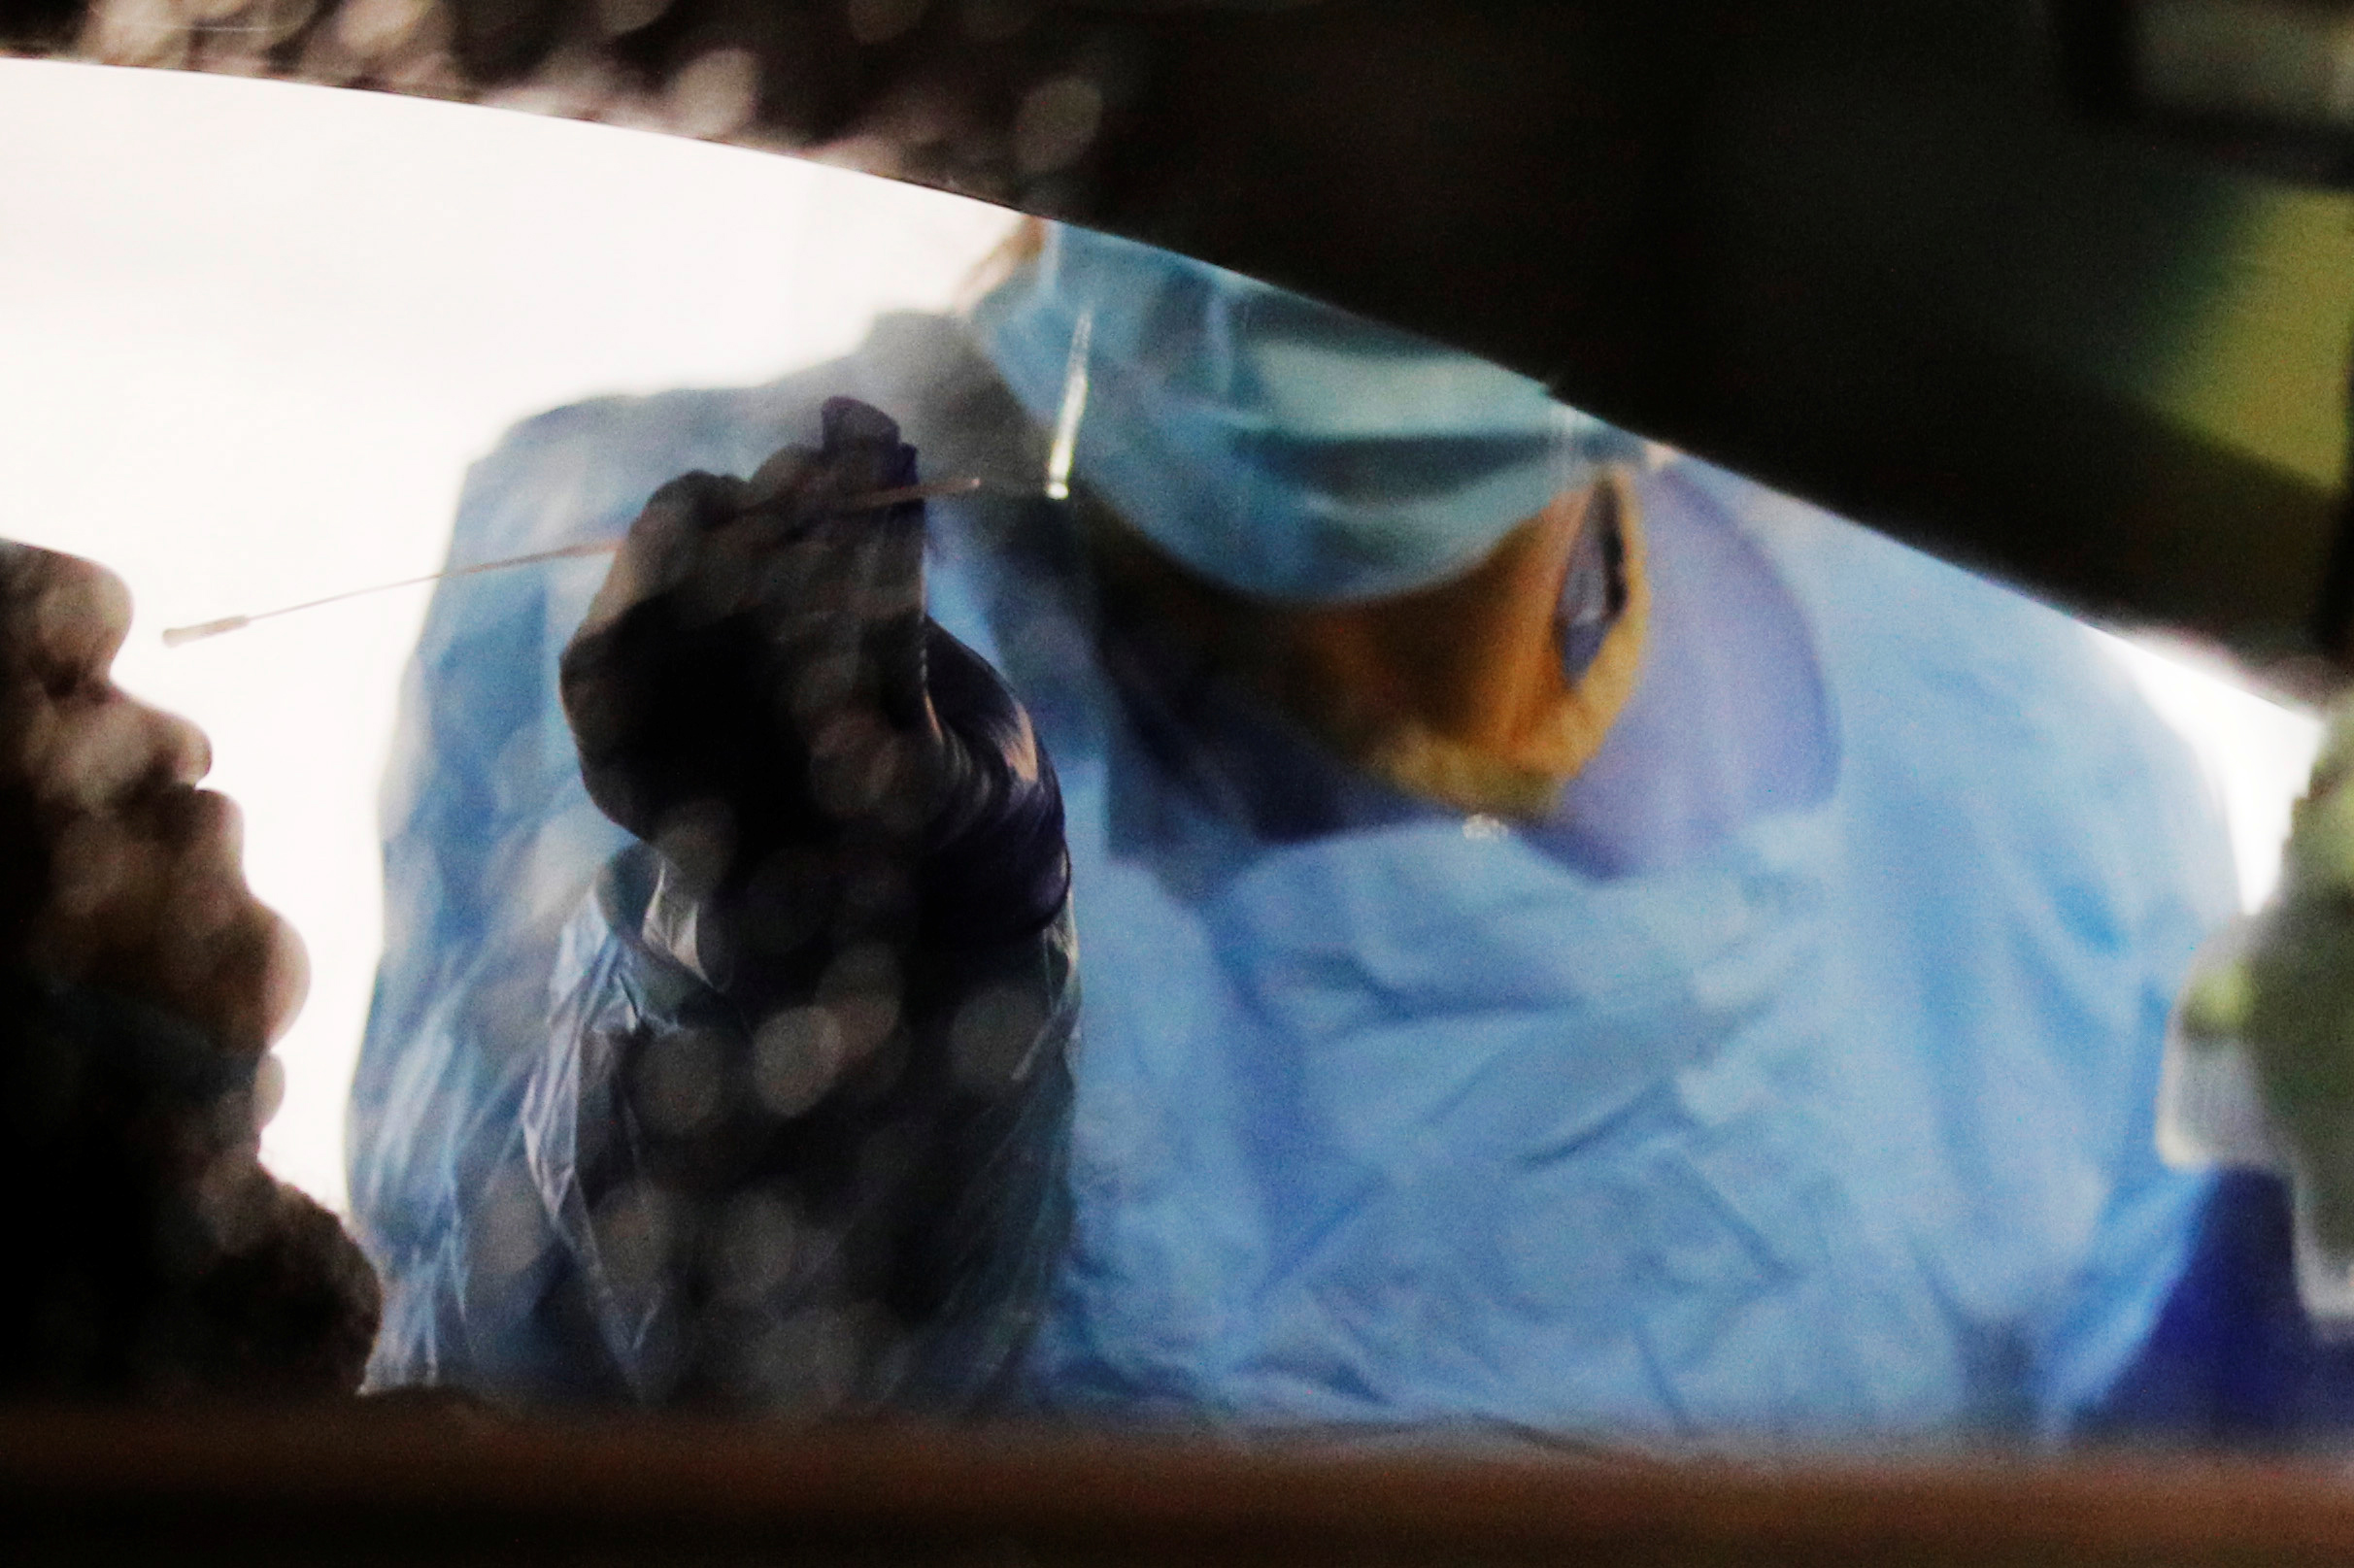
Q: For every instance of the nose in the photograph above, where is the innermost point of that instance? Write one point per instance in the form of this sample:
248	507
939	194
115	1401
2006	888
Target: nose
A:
178	751
107	751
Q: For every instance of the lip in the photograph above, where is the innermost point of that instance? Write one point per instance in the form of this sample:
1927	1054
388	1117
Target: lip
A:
192	820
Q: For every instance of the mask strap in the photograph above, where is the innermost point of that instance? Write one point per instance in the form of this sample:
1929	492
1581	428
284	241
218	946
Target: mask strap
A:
1074	409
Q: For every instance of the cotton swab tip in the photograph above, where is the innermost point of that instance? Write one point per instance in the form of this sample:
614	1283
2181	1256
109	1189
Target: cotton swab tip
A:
174	636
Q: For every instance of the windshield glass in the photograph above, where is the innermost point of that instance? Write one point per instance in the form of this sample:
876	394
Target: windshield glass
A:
1378	899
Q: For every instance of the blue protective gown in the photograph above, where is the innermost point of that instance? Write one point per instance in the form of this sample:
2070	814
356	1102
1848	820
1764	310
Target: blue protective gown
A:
1795	1082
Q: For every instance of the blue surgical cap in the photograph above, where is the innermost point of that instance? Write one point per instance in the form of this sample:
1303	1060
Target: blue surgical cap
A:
1281	447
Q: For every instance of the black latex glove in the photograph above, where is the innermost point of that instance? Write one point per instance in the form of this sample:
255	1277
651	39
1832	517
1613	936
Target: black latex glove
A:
757	692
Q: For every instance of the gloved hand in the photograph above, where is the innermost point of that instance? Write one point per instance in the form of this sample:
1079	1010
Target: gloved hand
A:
853	826
757	692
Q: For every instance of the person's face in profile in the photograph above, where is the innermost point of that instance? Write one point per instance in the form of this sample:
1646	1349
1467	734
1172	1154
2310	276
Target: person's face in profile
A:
122	873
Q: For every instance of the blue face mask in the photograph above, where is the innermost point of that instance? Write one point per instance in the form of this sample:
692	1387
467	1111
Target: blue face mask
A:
1281	447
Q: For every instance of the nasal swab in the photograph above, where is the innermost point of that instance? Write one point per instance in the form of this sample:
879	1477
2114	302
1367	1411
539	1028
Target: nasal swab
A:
175	635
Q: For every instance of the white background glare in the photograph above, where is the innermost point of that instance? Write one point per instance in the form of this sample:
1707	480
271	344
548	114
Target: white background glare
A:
254	333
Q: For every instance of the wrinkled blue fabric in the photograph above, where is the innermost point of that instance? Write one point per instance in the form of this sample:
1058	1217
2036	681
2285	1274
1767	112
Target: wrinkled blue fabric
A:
1273	443
1795	1083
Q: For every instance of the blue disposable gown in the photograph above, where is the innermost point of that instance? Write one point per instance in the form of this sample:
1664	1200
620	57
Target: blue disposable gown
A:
1795	1083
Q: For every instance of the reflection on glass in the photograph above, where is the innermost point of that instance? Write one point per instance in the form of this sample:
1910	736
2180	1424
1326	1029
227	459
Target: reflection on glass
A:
1321	888
1567	939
